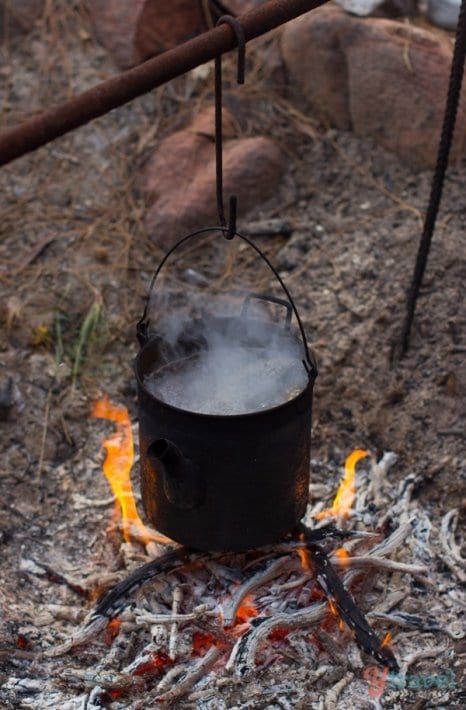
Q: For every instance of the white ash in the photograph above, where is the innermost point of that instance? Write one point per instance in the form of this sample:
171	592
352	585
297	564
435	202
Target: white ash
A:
421	618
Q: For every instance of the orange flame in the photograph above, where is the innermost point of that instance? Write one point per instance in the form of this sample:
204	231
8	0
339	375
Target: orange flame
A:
247	610
342	554
305	558
347	490
112	631
334	611
117	468
386	639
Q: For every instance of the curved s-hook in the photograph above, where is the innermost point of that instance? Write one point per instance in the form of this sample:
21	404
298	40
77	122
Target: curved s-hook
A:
241	41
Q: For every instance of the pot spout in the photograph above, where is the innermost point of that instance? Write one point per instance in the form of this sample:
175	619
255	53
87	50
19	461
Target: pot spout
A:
182	484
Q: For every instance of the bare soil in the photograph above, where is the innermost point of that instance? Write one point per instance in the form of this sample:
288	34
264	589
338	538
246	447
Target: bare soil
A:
75	264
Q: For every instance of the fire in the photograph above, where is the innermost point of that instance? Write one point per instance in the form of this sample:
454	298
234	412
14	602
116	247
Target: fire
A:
247	610
342	554
112	631
117	468
156	664
305	558
387	639
347	490
334	611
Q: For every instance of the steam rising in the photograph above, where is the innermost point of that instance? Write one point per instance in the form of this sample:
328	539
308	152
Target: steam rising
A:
227	366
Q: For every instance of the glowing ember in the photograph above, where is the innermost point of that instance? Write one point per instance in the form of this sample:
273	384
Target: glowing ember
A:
342	554
279	634
156	664
112	631
247	610
117	468
21	641
347	490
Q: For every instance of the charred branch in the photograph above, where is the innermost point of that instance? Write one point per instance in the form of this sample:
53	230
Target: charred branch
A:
333	587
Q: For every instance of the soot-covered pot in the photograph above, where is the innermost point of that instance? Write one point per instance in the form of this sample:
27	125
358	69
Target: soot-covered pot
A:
216	481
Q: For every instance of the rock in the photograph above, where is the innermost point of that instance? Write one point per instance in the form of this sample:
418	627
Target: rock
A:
316	64
19	16
178	183
134	31
398	78
383	79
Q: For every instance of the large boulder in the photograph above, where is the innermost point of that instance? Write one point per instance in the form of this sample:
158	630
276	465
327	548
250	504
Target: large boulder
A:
316	64
178	182
378	77
134	31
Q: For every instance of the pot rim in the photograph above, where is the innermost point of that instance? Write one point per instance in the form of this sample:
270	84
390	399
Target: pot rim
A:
229	417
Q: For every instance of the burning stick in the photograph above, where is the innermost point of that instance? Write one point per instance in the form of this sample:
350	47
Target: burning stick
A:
409	621
146	617
93	628
243	655
386	547
331	532
264	574
317	561
368	561
117	598
188	676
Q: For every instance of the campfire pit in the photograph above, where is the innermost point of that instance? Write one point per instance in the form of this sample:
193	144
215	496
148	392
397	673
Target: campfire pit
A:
132	662
189	623
189	626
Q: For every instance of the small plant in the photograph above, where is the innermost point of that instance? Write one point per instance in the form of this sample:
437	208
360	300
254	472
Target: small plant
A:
87	334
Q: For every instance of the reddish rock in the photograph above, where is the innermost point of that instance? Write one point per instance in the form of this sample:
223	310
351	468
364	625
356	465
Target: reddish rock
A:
379	77
398	78
134	31
178	156
317	65
179	181
18	16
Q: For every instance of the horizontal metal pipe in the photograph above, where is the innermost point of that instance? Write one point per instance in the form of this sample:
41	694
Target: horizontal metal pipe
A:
124	87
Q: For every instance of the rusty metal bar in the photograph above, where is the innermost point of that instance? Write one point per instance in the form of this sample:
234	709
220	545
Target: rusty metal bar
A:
121	89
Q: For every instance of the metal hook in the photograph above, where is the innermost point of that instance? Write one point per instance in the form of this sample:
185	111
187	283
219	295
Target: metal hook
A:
241	41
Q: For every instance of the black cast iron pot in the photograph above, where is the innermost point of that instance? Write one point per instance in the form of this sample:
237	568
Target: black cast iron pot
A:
223	482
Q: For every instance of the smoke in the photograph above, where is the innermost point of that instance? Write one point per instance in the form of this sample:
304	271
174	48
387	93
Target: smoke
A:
226	364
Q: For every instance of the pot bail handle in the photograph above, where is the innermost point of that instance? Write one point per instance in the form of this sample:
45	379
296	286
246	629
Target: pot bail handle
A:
142	327
269	299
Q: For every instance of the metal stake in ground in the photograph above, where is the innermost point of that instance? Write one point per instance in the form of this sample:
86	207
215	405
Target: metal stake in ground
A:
449	120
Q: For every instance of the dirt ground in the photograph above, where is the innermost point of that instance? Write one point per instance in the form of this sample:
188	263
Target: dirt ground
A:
75	264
